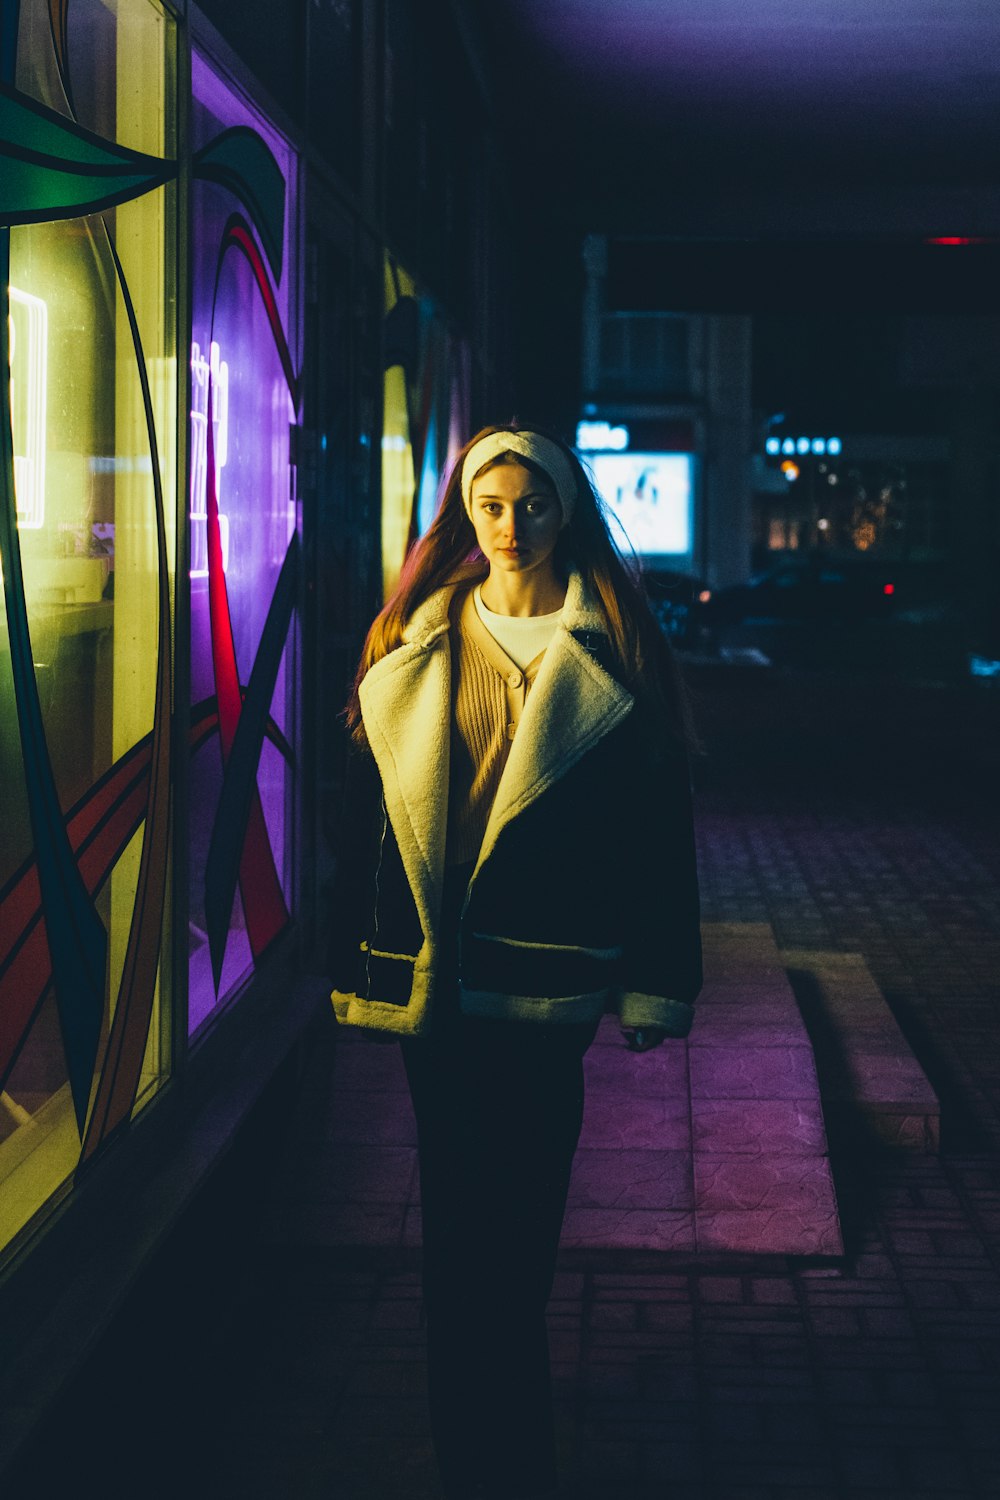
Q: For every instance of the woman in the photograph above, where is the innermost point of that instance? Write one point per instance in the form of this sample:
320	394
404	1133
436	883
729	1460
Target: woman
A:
519	859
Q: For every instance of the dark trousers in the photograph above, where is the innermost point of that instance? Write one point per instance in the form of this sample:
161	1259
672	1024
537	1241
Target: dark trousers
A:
498	1106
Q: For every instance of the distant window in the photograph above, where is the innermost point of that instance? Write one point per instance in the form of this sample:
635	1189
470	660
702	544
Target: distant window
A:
644	354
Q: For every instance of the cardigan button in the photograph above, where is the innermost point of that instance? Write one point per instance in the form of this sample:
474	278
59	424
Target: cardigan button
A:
510	731
515	679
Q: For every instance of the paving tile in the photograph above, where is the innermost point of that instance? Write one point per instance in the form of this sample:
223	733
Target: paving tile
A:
780	1323
748	992
886	1077
712	1289
374	1117
617	1071
769	1023
637	1179
369	1065
792	1184
614	1315
636	1229
768	1073
834	1320
775	1230
900	1128
641	1121
349	1173
310	1223
651	1282
740	964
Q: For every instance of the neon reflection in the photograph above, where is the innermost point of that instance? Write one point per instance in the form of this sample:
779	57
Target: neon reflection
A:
29	353
215	369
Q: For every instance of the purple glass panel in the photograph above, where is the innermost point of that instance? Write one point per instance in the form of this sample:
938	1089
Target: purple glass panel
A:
235	351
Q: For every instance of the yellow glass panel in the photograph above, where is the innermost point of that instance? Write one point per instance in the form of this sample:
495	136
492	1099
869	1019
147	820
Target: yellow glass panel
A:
398	478
143	239
88	539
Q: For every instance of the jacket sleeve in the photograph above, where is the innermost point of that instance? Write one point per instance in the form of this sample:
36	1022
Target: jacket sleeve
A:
356	854
661	972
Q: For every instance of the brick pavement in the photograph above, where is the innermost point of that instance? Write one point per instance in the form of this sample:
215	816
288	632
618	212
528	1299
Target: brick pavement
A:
876	1376
853	817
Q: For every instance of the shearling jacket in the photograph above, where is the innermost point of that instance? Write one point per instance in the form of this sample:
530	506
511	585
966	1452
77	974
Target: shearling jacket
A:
584	897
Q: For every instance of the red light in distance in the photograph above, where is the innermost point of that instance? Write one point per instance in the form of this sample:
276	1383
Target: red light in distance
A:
888	588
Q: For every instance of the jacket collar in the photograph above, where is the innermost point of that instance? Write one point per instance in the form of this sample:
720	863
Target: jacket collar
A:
406	707
573	703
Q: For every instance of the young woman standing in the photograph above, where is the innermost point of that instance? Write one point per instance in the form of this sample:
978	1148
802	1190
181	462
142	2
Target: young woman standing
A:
518	859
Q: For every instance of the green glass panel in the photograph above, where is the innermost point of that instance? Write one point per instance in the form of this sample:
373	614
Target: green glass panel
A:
241	161
32	127
30	193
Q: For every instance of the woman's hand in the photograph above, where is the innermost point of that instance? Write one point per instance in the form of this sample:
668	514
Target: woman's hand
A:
643	1038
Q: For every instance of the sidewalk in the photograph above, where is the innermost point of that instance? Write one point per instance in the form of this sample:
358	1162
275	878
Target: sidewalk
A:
876	1375
710	1146
846	819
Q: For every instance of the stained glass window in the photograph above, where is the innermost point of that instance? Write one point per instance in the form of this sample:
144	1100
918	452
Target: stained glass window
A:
87	506
243	538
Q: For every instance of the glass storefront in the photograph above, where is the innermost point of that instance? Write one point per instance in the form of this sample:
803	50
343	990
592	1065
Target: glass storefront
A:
87	533
148	498
91	493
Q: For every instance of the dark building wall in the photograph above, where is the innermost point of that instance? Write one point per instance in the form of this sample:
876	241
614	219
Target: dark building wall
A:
271	40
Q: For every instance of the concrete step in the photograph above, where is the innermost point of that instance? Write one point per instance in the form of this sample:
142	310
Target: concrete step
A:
716	1144
868	1074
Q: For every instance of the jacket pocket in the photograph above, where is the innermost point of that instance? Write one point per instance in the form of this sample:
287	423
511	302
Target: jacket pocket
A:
385	977
607	954
516	966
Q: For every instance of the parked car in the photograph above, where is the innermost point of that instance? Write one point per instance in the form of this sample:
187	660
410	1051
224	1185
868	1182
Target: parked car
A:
676	599
808	588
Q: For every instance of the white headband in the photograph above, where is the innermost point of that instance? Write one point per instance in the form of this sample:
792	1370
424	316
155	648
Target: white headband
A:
541	450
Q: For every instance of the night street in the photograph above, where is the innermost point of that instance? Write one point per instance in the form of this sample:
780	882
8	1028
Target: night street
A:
853	816
850	814
500	750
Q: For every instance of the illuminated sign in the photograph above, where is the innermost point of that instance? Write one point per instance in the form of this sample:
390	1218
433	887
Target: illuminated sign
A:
789	445
650	495
29	345
201	370
601	437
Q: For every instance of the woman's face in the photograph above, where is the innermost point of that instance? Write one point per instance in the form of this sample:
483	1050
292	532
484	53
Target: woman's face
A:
517	518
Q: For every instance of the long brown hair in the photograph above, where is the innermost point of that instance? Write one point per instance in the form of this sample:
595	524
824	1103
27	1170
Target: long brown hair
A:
448	553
